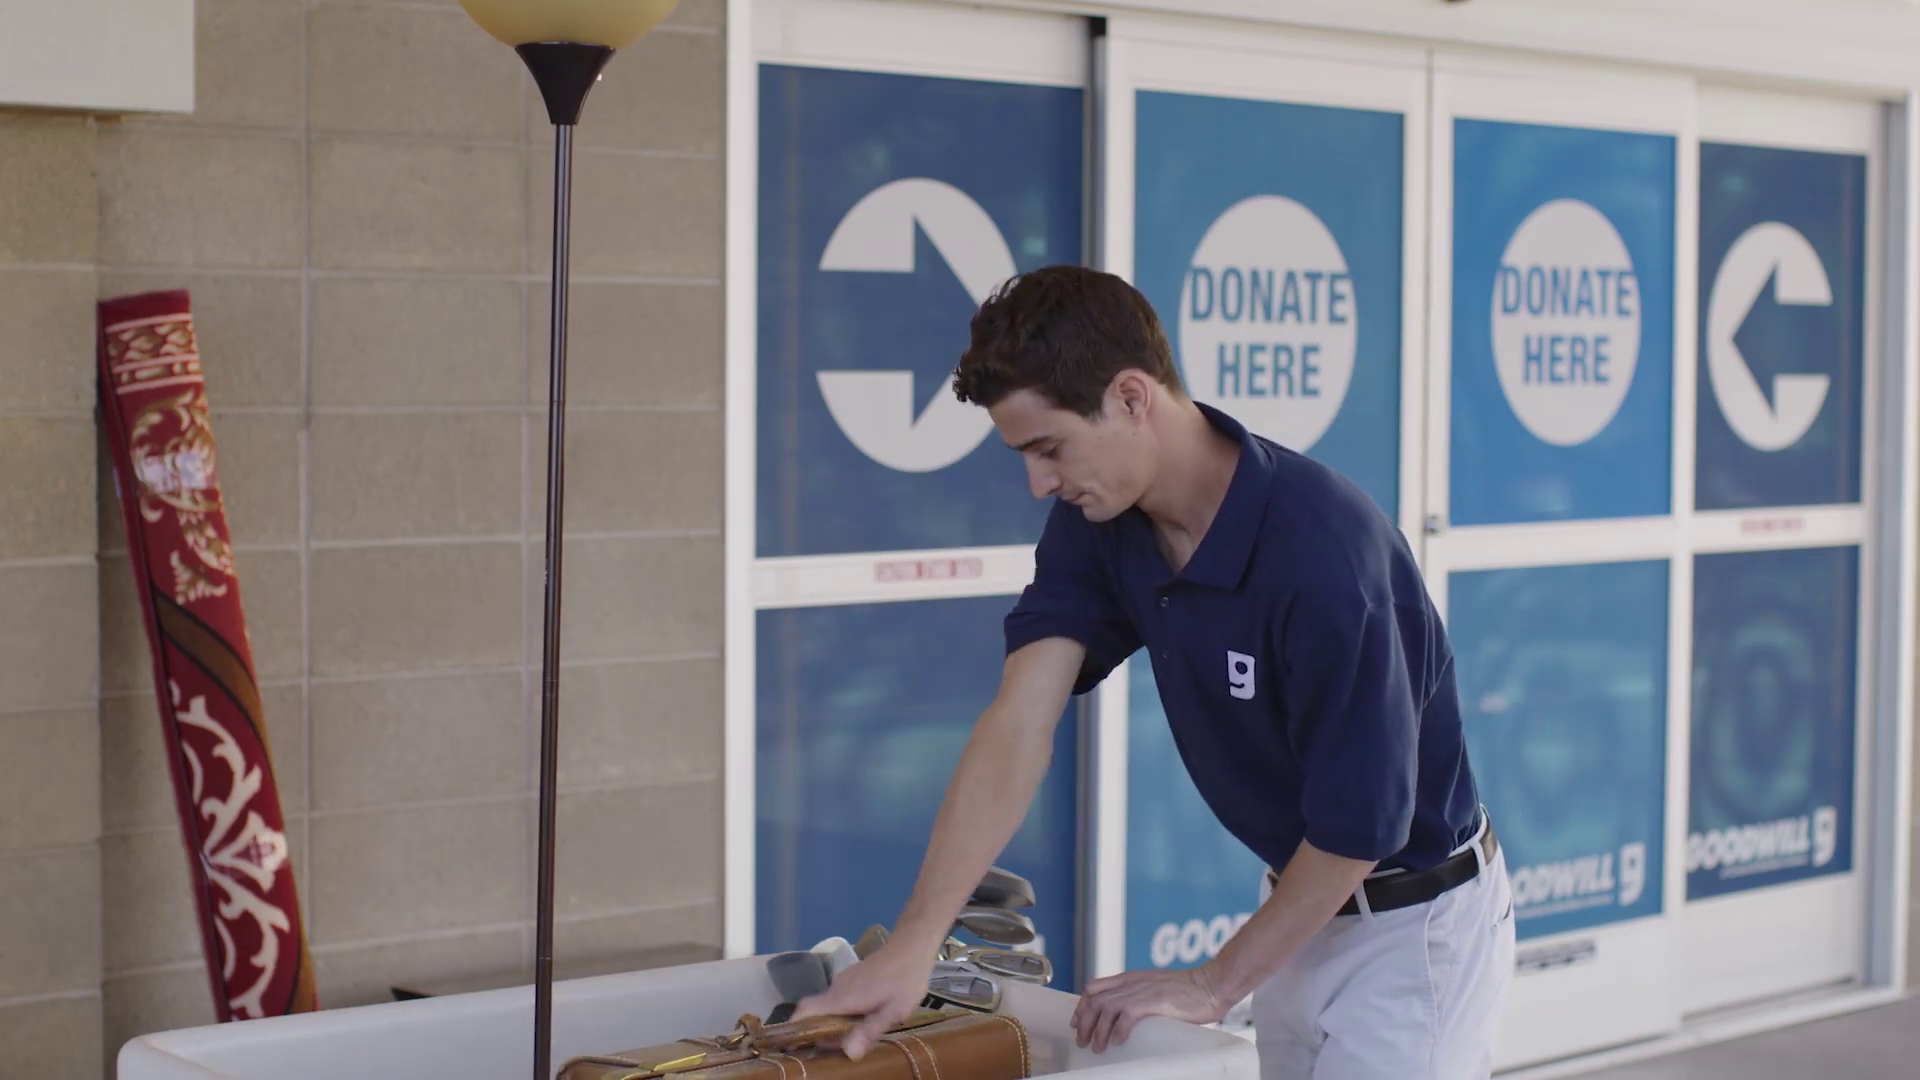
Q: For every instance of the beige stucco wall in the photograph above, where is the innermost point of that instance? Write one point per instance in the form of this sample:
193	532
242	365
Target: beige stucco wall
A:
359	206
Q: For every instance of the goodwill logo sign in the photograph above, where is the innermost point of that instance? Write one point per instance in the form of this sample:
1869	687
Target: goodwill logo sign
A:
1562	324
1195	941
1807	841
1267	237
1578	884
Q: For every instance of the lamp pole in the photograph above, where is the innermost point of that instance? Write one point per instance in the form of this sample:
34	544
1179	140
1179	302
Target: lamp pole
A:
565	45
564	72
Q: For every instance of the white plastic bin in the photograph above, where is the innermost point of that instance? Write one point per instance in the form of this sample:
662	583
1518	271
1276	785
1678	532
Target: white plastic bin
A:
489	1035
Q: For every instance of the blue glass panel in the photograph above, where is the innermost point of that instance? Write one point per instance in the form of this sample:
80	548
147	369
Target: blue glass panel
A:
1774	670
863	713
1190	884
888	206
1563	687
1268	238
1782	294
1562	395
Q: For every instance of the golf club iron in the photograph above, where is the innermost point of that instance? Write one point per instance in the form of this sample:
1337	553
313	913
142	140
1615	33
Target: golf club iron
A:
870	942
1011	964
796	975
995	925
963	985
838	954
1003	889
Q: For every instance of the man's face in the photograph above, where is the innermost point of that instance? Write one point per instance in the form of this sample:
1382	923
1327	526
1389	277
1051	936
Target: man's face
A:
1103	465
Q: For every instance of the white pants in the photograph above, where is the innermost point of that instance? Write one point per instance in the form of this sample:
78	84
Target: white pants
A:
1410	994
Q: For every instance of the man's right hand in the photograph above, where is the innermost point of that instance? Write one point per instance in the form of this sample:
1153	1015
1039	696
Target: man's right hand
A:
875	993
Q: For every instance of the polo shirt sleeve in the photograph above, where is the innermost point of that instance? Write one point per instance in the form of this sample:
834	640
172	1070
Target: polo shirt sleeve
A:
1073	596
1353	722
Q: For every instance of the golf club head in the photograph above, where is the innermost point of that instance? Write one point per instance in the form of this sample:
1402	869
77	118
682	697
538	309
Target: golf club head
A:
1023	966
1004	889
965	986
870	942
838	954
798	975
995	925
952	949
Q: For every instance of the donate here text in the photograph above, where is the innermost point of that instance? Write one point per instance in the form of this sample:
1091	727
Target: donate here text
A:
1573	357
1279	364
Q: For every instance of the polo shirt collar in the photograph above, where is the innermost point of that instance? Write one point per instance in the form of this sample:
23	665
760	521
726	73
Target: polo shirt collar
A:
1224	552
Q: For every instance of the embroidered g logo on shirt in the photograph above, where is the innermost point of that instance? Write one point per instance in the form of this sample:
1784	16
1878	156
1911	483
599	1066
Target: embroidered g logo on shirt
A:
1240	675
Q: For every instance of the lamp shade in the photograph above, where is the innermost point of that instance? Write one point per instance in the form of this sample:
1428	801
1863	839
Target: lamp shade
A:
612	23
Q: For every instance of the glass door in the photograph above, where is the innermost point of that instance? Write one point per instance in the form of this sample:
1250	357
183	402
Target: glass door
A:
1559	360
1265	192
901	175
1775	891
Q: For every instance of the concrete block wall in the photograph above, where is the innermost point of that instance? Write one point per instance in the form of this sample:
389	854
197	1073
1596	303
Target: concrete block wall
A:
360	207
50	784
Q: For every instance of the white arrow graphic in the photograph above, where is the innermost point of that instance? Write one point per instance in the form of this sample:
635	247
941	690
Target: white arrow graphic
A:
1774	250
876	408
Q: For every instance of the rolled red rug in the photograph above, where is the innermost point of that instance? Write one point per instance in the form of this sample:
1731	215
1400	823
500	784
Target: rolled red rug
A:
153	402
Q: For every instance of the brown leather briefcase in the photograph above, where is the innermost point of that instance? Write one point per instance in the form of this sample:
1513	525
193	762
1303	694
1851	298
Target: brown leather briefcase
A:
929	1045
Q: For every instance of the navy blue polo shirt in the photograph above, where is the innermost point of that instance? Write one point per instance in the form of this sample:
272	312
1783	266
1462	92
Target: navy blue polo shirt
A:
1306	675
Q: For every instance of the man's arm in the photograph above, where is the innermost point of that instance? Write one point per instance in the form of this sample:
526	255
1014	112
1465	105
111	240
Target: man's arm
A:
1001	769
1306	896
992	789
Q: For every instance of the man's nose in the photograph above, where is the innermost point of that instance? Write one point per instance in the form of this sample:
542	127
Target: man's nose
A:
1041	480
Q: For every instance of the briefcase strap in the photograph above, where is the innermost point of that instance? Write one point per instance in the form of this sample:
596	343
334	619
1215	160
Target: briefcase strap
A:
752	1038
907	1041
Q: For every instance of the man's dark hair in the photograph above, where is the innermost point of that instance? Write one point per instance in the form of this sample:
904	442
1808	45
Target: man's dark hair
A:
1063	332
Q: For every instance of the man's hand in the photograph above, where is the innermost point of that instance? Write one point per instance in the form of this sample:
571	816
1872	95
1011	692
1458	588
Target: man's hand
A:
876	993
1111	1006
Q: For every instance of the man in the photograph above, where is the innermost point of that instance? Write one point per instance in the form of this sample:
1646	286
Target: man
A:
1307	680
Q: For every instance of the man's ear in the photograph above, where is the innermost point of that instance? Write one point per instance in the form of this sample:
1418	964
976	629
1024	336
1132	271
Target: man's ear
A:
1132	392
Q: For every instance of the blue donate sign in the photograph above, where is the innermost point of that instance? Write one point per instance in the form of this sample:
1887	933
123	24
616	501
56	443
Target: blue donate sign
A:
1268	239
1782	287
889	206
1563	688
862	713
1190	883
1562	324
1774	663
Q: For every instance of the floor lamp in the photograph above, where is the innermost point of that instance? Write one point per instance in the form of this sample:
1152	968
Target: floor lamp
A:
565	44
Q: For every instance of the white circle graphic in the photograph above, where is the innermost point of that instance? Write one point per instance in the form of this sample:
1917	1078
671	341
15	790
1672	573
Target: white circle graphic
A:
1566	322
1269	320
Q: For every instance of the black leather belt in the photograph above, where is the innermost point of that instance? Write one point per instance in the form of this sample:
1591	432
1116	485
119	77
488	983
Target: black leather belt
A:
1389	892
